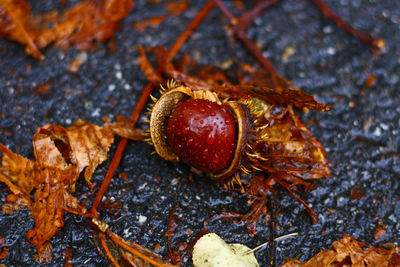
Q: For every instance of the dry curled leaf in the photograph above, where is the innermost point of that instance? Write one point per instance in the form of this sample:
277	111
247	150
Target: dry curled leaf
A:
61	154
15	25
85	23
81	26
349	252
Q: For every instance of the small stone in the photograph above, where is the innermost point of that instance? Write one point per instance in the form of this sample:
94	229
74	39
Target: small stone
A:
142	219
118	75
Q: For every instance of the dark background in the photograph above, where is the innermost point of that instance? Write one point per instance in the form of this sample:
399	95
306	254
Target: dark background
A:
360	133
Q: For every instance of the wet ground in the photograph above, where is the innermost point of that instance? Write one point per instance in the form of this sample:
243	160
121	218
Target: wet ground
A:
360	133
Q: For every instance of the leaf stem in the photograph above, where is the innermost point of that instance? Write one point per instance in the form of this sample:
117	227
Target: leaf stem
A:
107	250
266	243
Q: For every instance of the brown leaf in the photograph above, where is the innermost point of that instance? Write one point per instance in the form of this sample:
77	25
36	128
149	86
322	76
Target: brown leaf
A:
287	145
61	155
147	68
349	252
273	88
81	26
125	128
16	25
89	146
14	172
85	23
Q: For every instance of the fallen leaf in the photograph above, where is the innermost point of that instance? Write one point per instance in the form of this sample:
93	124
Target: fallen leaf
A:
81	25
61	155
15	25
349	252
85	23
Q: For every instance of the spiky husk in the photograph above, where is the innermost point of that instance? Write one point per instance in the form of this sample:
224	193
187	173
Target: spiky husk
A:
271	138
164	106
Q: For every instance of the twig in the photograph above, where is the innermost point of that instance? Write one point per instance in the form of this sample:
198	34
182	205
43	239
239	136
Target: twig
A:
189	29
374	43
247	18
311	213
241	35
250	46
